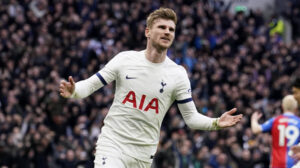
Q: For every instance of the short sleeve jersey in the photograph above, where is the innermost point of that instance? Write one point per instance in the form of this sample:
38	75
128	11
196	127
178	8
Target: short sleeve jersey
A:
144	93
285	133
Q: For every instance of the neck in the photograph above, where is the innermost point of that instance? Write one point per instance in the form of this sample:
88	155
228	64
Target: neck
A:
155	55
289	112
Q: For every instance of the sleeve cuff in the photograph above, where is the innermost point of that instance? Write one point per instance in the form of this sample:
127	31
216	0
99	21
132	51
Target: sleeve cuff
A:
74	93
215	124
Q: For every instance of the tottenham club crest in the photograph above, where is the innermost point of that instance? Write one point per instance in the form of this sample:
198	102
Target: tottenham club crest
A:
103	160
162	85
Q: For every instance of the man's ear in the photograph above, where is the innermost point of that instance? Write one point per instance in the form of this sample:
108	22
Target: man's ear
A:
147	32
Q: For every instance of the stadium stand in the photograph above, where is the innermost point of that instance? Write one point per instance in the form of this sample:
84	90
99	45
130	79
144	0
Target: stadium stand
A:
232	60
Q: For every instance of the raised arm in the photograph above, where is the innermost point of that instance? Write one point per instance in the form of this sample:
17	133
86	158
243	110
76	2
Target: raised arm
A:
255	127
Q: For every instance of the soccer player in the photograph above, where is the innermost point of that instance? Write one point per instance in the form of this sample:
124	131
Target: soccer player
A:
147	83
285	132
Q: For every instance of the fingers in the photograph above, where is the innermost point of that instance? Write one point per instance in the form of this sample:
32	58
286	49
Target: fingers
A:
296	156
256	115
63	84
63	88
237	119
71	81
231	111
295	149
229	120
66	88
62	93
259	116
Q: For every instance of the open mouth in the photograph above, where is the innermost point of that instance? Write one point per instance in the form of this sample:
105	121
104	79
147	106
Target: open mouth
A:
165	38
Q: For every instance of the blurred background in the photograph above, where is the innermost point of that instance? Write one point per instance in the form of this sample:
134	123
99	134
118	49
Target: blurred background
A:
238	53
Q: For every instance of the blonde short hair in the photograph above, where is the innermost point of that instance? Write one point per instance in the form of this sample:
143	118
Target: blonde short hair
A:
161	13
289	103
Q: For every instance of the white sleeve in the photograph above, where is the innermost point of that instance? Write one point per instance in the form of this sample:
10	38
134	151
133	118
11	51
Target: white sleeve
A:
183	87
187	107
196	120
106	75
86	87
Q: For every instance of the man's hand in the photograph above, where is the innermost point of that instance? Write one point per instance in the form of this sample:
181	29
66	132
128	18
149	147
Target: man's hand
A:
296	152
255	127
67	88
228	120
256	116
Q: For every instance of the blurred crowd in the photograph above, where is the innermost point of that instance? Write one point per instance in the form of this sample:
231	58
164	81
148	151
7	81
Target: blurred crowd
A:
231	59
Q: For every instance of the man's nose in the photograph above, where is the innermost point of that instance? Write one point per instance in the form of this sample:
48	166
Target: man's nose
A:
167	31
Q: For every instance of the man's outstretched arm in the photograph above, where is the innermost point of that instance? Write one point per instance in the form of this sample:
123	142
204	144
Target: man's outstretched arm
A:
196	120
81	89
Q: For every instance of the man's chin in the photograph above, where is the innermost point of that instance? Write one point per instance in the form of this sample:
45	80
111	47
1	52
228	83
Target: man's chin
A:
164	46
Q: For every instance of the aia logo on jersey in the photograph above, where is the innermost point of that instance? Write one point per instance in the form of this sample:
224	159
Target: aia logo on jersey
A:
131	98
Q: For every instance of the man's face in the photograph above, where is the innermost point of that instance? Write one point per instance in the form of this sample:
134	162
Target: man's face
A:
161	34
296	93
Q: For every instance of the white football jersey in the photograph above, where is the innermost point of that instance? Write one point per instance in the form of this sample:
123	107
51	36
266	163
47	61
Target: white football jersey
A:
144	93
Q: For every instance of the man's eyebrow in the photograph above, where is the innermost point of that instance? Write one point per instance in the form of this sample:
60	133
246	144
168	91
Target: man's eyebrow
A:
164	26
161	26
172	28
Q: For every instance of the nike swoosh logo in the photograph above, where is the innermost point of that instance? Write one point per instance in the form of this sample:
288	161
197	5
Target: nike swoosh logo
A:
127	77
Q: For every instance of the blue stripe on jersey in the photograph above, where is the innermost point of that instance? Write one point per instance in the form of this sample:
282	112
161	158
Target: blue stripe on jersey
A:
101	78
267	125
184	101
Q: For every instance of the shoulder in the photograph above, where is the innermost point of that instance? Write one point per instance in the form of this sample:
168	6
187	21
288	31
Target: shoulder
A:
124	56
271	120
130	53
178	69
178	73
296	118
